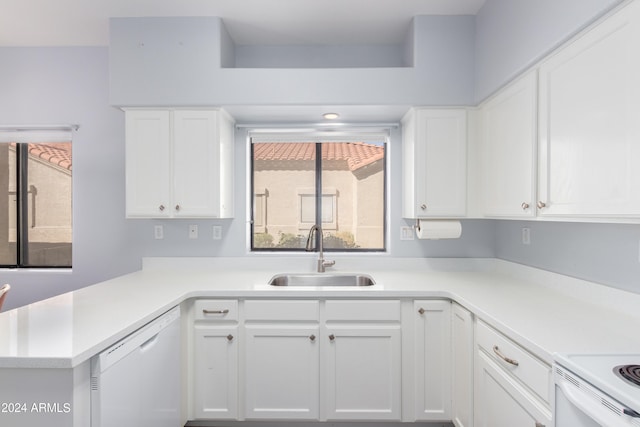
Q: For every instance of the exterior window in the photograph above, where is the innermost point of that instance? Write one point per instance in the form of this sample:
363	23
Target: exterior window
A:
36	211
338	185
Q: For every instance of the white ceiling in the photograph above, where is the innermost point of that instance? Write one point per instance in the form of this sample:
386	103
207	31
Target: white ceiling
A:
331	22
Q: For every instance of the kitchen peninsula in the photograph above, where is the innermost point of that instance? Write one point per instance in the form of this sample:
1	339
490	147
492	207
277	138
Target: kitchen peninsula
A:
540	312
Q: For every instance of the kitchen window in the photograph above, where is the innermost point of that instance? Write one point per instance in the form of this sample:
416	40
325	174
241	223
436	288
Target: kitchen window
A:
36	211
336	181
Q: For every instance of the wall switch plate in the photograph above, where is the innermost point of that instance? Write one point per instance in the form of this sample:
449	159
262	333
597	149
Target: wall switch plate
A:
158	232
217	232
193	231
526	236
406	233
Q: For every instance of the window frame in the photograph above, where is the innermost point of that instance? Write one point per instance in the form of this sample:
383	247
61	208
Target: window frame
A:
318	137
22	137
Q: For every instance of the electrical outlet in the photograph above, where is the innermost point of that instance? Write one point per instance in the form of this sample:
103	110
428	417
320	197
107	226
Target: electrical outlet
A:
193	231
158	232
526	236
217	232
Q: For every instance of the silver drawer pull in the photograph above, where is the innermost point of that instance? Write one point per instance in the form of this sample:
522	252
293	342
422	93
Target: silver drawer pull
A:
496	350
225	311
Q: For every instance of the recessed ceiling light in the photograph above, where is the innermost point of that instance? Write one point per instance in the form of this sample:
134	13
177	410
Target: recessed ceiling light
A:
331	116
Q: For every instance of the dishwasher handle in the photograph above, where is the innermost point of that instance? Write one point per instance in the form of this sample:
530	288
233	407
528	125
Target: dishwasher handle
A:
148	344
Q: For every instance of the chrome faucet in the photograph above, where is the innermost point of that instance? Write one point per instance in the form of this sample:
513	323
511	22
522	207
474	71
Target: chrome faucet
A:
322	264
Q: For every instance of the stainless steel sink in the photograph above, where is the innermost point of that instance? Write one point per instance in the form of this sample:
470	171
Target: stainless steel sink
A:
321	280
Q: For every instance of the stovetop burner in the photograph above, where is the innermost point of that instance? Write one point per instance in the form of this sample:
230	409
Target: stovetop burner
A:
629	373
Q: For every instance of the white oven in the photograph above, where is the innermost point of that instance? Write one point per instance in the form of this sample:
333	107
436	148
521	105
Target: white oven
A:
597	390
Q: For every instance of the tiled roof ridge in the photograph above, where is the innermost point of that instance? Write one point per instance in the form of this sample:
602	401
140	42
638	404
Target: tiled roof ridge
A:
56	153
356	154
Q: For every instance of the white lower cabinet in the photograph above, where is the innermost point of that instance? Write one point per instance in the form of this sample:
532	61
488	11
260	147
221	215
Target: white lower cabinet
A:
215	358
432	344
360	360
281	360
361	363
462	370
512	387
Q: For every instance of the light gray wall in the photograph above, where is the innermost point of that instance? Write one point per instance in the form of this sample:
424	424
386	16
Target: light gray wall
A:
150	57
42	86
602	253
301	56
511	35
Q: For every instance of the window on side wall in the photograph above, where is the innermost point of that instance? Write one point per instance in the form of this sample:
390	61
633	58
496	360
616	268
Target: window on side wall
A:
36	210
337	182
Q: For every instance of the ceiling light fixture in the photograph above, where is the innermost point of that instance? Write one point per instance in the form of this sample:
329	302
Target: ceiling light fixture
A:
331	116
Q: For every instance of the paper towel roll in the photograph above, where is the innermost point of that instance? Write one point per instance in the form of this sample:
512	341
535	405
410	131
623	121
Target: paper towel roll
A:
438	229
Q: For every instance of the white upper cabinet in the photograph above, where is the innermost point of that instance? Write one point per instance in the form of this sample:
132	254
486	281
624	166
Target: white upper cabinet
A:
179	163
508	122
434	145
589	148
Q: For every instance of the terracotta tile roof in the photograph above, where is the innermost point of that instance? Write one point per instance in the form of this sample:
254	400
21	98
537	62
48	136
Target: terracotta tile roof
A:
356	154
58	153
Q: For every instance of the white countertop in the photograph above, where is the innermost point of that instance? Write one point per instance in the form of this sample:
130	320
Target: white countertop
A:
545	312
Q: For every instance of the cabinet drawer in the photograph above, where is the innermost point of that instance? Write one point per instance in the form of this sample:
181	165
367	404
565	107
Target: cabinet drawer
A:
216	310
529	370
281	310
384	311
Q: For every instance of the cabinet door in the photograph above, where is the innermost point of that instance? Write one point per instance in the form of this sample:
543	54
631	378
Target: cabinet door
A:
196	164
432	360
434	163
500	401
590	123
362	372
281	372
509	125
216	372
148	163
462	370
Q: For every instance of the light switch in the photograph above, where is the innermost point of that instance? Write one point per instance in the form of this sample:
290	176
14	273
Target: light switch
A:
526	236
406	233
158	232
217	232
193	231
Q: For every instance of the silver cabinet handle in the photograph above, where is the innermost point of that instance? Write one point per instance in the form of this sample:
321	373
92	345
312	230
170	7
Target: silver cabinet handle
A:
177	207
541	205
332	337
423	207
496	350
225	311
312	337
525	206
161	207
421	311
230	337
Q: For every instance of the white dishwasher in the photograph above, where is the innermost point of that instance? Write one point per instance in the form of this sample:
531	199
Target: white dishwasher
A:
136	382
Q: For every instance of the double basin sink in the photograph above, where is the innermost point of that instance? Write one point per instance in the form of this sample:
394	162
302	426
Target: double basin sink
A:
321	279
